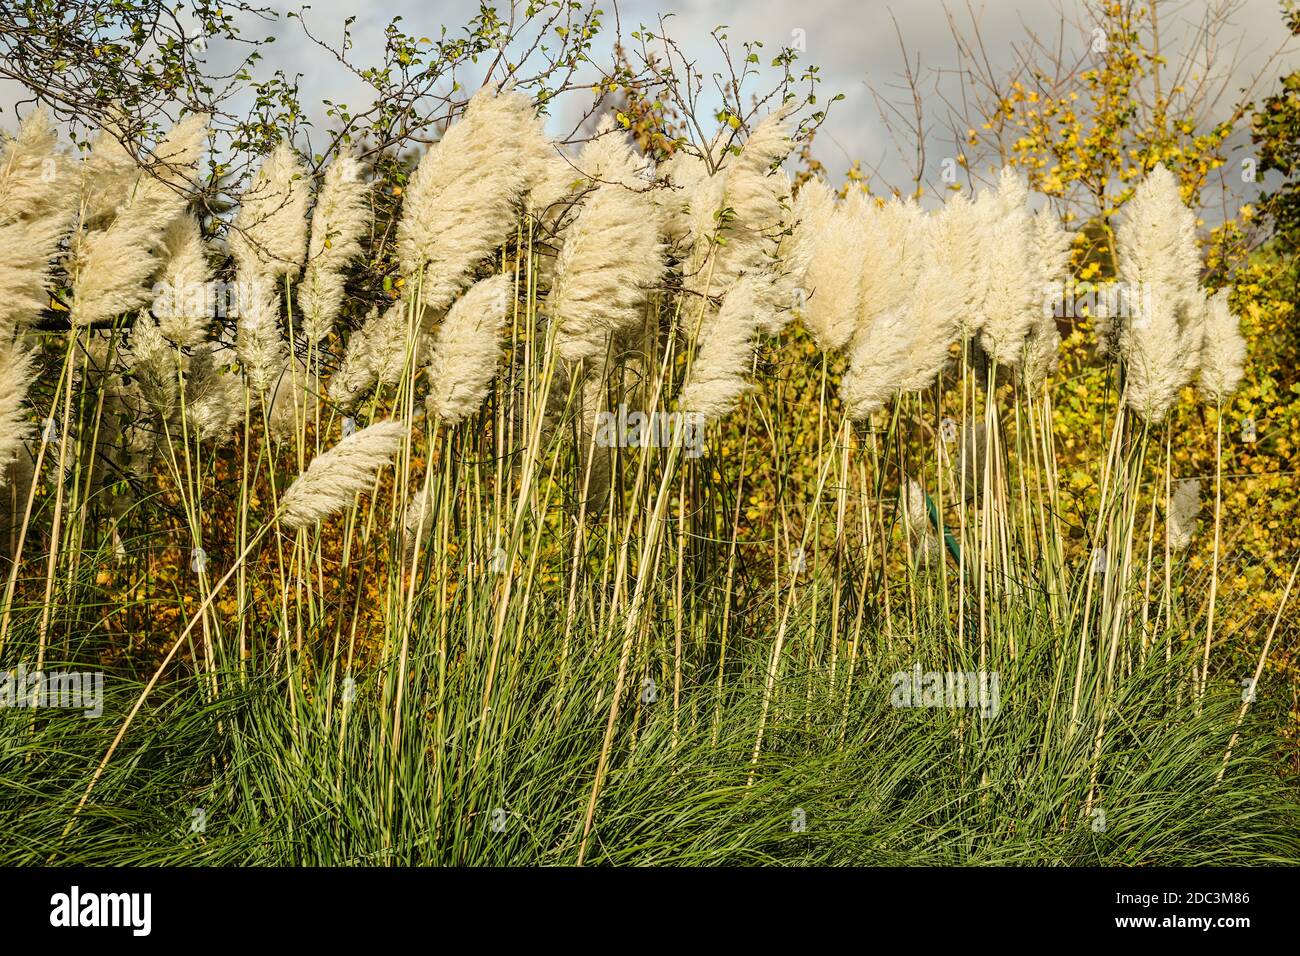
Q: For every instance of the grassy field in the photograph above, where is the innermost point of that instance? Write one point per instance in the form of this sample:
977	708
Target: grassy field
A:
416	591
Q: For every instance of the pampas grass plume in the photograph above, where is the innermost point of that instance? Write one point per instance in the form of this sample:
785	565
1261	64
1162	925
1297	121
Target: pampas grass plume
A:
182	304
15	376
376	353
35	213
1051	259
108	267
610	256
1013	291
1223	350
269	233
460	202
258	342
717	377
1159	258
1183	507
337	224
332	479
467	349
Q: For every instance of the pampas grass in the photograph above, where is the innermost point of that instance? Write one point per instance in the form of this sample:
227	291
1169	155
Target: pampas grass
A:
610	259
1014	284
460	201
1159	261
1223	350
268	236
213	394
1183	509
15	376
570	589
335	476
35	211
376	354
32	171
737	214
826	233
109	266
183	303
952	290
260	344
1050	260
717	378
878	364
467	349
340	218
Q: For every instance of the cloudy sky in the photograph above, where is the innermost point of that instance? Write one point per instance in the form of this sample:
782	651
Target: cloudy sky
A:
858	44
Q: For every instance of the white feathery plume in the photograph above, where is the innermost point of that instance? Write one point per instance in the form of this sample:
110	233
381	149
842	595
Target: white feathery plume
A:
35	212
376	354
1013	286
334	477
259	343
956	270
268	235
1159	261
550	175
610	257
337	224
174	164
863	260
107	172
32	172
294	399
717	376
108	267
935	311
27	248
824	265
1051	259
15	376
693	203
183	304
877	364
788	265
737	214
683	174
811	212
893	249
460	202
214	396
917	284
1184	505
553	180
918	287
153	361
467	349
1223	350
609	157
